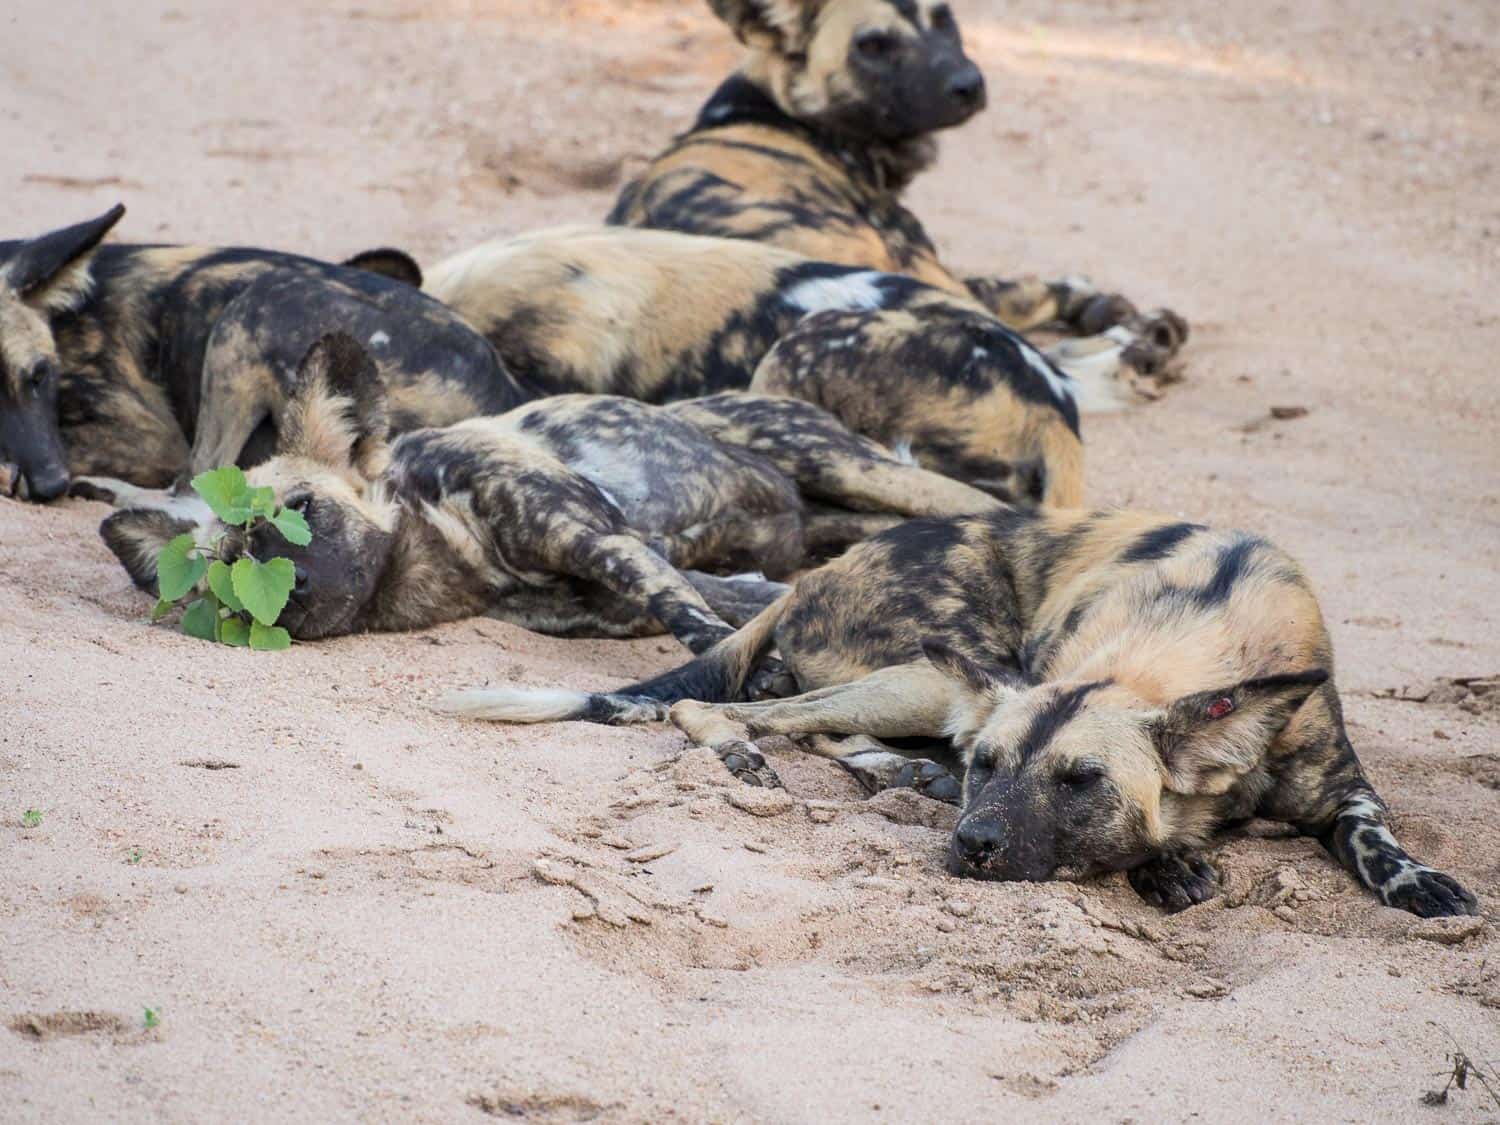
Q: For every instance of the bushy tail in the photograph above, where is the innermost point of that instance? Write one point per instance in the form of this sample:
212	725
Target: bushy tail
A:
717	676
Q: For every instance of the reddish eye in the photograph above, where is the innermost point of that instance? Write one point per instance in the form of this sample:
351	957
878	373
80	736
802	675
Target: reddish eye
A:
1220	707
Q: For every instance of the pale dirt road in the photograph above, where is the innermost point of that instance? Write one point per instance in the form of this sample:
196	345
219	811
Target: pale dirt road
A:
349	923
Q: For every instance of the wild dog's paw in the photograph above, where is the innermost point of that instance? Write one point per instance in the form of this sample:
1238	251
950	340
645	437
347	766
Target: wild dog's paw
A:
1428	894
83	488
748	764
771	680
1163	329
1175	881
878	770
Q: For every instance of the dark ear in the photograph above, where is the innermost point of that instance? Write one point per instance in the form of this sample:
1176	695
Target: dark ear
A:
337	413
136	536
978	678
49	270
1208	739
386	262
768	25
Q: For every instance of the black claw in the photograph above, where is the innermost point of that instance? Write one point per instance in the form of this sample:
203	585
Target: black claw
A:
1175	882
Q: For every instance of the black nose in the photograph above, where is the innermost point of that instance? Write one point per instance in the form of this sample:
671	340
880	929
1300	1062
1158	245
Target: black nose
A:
967	87
299	584
47	484
976	839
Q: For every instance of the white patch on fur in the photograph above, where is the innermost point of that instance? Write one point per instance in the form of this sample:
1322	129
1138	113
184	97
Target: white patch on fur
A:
185	506
1093	377
514	705
855	291
380	339
748	576
618	476
901	451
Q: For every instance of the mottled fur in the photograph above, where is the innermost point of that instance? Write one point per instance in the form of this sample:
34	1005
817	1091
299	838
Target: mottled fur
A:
811	145
570	515
149	362
662	316
1119	686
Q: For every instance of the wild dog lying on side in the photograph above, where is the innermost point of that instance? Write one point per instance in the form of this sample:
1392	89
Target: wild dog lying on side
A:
1120	686
570	515
146	362
811	145
660	316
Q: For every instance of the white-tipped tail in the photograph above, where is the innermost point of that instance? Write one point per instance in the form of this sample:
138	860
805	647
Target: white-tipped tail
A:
515	705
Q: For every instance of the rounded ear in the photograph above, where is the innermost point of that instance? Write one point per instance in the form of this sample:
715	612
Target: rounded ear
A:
768	25
337	412
1208	739
39	270
387	262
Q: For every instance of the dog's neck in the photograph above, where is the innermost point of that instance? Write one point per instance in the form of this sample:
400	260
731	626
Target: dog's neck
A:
425	580
880	169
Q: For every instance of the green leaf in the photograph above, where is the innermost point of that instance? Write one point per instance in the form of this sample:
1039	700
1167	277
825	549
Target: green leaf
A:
264	587
161	609
269	638
234	631
178	569
201	618
263	501
226	492
221	582
293	527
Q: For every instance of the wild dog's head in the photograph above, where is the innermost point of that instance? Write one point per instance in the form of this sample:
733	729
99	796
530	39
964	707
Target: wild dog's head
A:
885	70
331	448
39	279
1084	777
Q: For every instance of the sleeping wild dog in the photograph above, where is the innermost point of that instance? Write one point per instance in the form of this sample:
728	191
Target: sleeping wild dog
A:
812	143
572	515
146	363
660	316
1118	686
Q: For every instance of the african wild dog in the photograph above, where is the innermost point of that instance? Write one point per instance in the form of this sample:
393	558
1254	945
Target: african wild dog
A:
569	515
660	316
1119	686
148	362
811	144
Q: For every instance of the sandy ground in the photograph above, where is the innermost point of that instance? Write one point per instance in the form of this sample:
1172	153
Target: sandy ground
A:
342	906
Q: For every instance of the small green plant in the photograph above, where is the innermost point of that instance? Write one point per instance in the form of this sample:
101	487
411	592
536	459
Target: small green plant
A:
153	1018
31	818
243	599
133	856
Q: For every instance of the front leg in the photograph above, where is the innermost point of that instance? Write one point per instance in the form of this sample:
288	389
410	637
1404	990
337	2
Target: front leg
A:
1029	302
1360	839
1175	880
624	565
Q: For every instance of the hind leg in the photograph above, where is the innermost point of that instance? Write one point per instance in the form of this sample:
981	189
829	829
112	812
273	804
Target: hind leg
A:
827	460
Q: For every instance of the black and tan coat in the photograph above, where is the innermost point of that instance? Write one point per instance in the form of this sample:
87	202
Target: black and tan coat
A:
661	316
812	143
571	515
143	363
1118	687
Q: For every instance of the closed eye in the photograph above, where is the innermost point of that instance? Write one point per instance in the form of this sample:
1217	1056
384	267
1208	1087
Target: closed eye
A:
876	44
1081	777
